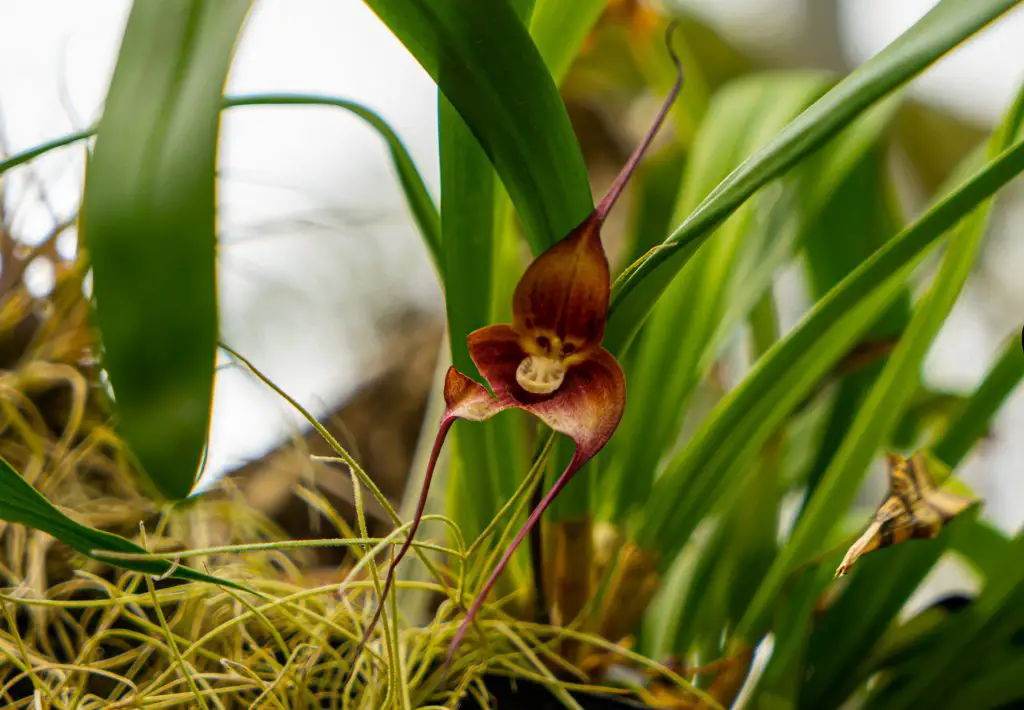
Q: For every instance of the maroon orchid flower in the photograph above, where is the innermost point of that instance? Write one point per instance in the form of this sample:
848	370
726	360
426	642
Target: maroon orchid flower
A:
548	361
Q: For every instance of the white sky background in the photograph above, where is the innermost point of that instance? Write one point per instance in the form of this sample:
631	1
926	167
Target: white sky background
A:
316	243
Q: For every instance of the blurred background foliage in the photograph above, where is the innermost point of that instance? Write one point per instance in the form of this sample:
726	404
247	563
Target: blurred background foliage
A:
787	354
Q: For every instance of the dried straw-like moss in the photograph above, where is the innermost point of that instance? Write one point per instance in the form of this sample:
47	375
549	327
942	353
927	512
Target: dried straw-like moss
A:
75	633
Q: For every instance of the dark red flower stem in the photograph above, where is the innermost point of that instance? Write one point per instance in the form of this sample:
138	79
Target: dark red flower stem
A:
608	201
540	604
442	434
577	461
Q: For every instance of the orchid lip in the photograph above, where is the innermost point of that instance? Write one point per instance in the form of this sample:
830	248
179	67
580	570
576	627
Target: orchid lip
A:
538	374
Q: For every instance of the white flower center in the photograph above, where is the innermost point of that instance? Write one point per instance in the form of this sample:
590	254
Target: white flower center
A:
539	374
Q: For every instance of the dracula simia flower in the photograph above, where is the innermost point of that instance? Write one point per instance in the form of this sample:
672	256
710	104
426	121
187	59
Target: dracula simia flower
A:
548	361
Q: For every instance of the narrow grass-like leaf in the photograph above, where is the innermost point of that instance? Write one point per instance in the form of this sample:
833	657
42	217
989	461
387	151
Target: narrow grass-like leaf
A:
737	557
474	208
43	148
23	504
665	371
981	545
486	65
973	421
965	646
995	685
417	197
742	422
880	586
944	27
890	394
421	205
743	543
148	220
783	677
861	215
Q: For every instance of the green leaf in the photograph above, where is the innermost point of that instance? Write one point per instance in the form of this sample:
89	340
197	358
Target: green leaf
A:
417	197
685	332
860	216
43	148
981	545
148	220
732	562
472	204
421	205
973	420
876	592
992	686
880	585
944	27
23	504
475	245
928	412
965	648
784	677
485	63
742	422
559	29
889	396
499	102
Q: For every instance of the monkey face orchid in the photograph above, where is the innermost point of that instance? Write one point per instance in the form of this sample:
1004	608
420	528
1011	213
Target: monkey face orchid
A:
548	361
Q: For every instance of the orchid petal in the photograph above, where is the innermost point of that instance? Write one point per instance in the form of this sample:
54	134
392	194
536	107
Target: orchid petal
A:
496	352
563	296
589	404
466	399
586	408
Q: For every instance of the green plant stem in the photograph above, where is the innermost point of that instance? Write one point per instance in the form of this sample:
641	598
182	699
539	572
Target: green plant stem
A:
43	148
278	545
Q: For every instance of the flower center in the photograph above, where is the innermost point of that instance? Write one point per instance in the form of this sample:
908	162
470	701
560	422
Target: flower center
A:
539	374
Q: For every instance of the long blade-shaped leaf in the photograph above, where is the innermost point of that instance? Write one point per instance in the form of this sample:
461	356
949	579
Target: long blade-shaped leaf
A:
948	24
959	653
672	360
559	29
858	219
890	394
471	204
23	504
148	219
418	199
880	585
973	421
780	380
487	66
475	241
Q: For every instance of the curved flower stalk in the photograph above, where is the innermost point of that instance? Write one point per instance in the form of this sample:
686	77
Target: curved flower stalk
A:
548	361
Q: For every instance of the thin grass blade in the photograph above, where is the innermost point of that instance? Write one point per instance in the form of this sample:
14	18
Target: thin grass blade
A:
942	29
